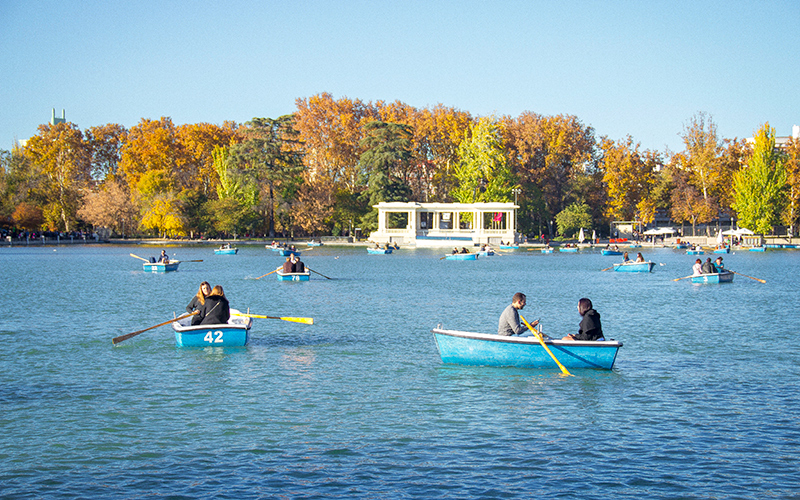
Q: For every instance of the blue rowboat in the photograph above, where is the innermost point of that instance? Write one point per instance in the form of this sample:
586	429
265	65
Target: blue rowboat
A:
789	246
462	256
304	276
486	253
681	246
757	249
694	252
723	277
722	250
314	243
774	245
226	251
286	253
547	250
611	252
571	250
510	247
379	251
634	245
486	349
634	267
160	267
234	333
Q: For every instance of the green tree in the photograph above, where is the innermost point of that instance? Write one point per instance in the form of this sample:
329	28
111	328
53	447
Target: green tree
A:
573	218
270	153
482	171
387	151
759	188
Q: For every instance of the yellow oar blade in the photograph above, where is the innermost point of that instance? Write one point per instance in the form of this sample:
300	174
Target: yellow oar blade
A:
307	321
142	258
541	341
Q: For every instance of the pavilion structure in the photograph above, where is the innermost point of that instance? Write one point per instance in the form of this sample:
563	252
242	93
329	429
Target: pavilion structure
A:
445	224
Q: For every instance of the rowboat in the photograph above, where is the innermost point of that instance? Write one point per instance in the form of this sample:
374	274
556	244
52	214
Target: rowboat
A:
694	252
462	256
757	249
547	250
486	349
634	245
379	250
722	250
286	252
304	276
723	277
226	251
234	333
509	247
611	252
634	267
160	267
486	253
773	245
681	246
789	246
570	249
314	243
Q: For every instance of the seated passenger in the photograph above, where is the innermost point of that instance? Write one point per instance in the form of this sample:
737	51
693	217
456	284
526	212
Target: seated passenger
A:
697	268
639	257
708	267
590	327
215	310
288	267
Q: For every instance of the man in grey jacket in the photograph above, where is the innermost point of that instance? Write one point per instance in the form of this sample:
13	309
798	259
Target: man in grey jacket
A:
509	320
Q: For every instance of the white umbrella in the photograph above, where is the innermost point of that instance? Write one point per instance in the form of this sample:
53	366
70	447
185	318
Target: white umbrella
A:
580	236
743	231
594	235
720	238
652	232
730	232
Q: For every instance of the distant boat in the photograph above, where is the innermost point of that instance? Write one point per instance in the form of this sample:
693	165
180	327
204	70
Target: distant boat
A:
610	252
510	247
487	349
757	249
694	252
568	249
486	253
304	276
681	246
722	250
547	250
634	267
379	250
160	267
712	278
286	252
462	256
234	333
226	251
313	243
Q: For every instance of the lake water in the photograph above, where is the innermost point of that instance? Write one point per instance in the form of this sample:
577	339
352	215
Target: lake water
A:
702	402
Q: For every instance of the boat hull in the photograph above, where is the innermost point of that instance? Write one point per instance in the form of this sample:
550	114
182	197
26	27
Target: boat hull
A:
714	278
293	276
509	247
722	250
379	251
486	253
570	250
757	249
462	256
694	252
483	349
287	253
634	267
547	250
160	267
235	333
610	252
226	251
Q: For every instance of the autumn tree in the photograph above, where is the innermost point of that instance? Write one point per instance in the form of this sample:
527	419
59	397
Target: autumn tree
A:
105	143
63	157
791	212
198	142
688	204
759	188
629	176
28	216
237	194
111	207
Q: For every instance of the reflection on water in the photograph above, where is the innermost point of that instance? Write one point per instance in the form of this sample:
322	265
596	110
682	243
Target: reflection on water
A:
701	402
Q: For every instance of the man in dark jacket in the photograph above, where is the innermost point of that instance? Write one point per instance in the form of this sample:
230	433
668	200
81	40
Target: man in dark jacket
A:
708	267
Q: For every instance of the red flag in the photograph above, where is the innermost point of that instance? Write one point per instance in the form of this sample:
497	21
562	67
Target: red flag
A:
498	216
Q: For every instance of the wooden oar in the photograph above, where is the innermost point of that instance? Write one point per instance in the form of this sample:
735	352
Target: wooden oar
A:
139	257
313	271
117	340
307	321
678	279
606	269
541	341
268	273
746	276
201	260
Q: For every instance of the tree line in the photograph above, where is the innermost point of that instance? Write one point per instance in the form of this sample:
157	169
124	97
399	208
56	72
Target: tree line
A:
320	170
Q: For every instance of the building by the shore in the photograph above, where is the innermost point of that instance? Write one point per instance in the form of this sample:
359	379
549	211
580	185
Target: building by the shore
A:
445	224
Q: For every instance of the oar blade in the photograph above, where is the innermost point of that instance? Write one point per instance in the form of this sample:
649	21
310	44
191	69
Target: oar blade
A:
307	321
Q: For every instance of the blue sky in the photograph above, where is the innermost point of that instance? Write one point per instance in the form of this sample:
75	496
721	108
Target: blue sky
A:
639	68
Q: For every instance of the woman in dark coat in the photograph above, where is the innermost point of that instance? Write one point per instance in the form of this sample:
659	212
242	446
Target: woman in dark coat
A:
215	311
199	299
590	327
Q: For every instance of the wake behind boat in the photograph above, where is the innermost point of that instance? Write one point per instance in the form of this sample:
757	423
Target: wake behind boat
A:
486	349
